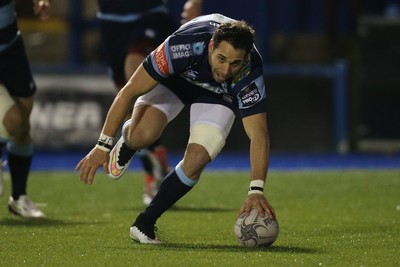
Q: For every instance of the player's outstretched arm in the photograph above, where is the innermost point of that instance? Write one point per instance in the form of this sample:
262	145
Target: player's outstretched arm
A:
256	129
140	83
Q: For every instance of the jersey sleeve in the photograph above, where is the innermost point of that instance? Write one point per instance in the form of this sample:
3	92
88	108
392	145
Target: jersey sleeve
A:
182	49
253	99
158	63
251	90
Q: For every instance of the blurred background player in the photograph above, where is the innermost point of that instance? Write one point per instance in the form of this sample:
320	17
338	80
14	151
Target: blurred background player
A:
17	88
130	30
191	9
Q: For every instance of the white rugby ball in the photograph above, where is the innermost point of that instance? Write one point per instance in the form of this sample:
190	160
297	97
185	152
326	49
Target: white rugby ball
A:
255	231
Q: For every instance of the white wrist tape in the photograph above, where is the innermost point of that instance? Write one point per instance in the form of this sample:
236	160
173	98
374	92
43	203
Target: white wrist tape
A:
103	148
105	142
256	187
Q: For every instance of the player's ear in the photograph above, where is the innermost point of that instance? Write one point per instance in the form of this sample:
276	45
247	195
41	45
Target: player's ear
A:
211	46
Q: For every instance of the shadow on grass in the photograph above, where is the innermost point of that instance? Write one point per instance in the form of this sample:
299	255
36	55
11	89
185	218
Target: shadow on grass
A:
191	209
232	248
200	209
41	222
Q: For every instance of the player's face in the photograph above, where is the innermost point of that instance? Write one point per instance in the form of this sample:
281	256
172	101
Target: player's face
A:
225	60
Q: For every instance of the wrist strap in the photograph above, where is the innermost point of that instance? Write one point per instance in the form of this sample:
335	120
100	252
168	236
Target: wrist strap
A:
103	148
256	187
105	142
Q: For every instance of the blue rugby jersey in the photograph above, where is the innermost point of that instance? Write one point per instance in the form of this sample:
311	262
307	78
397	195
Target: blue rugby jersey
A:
9	32
184	55
128	10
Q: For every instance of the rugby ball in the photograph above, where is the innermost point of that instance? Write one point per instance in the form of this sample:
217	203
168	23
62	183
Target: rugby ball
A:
255	231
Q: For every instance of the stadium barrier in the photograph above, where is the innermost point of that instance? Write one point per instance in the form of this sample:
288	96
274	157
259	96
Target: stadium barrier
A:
338	73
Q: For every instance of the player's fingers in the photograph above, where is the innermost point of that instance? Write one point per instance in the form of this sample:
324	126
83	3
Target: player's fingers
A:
105	167
248	207
85	172
79	165
271	213
261	211
241	210
91	175
269	210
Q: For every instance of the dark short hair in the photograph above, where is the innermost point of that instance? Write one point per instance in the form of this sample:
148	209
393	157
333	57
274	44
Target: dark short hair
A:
237	33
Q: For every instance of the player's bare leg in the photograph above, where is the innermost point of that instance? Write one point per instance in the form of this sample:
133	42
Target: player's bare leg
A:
145	126
154	158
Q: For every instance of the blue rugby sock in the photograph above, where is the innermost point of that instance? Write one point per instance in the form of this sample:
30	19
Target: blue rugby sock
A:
19	163
175	185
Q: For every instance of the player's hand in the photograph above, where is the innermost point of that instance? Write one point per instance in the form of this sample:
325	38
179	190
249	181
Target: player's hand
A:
41	8
259	202
89	165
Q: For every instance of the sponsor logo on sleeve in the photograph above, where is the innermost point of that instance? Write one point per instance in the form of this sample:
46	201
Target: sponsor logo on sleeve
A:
161	60
250	95
186	50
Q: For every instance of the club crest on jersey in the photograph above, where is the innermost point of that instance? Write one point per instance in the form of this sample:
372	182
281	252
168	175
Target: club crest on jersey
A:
186	50
228	98
198	48
190	74
250	95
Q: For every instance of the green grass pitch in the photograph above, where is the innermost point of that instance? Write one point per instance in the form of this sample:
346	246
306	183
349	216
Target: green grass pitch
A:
327	218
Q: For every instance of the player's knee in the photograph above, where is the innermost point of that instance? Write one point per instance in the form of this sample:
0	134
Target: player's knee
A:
208	136
15	122
195	159
197	154
138	138
7	116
